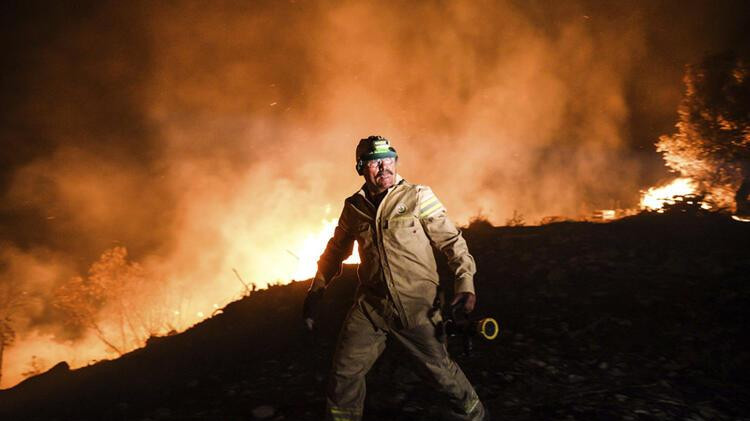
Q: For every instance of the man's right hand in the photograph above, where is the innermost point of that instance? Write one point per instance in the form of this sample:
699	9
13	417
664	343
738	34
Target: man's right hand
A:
310	308
469	301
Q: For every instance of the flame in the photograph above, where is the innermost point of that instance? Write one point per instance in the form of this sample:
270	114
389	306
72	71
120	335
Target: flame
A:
297	255
655	198
310	249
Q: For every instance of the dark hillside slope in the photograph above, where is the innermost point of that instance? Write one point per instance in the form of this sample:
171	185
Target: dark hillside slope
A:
643	318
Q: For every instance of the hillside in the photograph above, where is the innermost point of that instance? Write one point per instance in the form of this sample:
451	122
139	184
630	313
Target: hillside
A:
642	319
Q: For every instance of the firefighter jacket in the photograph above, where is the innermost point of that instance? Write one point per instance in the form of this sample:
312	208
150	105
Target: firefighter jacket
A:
396	249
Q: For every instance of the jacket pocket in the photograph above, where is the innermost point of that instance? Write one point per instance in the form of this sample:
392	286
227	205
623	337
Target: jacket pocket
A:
404	232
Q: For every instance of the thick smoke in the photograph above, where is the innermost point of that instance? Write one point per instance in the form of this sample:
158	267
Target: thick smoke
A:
210	136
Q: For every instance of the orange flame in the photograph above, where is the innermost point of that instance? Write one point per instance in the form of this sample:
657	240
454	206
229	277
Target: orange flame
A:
655	198
312	247
298	253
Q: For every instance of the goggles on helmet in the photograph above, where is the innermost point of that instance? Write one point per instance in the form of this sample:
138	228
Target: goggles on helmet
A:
374	163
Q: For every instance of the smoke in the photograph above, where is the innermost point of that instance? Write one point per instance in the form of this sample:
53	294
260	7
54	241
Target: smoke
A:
210	136
492	112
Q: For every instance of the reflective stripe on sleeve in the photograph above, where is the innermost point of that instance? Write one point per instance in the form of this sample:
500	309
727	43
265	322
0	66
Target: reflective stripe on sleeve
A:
430	205
471	405
345	414
427	203
432	210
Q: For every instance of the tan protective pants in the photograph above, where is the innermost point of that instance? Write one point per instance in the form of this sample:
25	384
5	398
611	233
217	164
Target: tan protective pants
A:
362	340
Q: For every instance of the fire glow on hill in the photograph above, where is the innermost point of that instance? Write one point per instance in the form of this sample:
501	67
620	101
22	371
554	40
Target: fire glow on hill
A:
119	302
163	159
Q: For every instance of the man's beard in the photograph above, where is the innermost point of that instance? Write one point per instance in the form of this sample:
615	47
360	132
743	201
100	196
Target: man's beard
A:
384	180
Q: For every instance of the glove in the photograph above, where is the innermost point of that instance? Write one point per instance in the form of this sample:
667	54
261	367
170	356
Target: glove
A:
469	301
310	308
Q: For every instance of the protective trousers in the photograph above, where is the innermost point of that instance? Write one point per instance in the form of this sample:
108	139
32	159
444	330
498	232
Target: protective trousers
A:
362	340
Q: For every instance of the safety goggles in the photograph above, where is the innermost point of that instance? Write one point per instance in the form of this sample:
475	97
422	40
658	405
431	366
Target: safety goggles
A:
374	163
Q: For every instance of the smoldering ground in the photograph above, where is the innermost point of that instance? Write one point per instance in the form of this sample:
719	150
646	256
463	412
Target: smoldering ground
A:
209	136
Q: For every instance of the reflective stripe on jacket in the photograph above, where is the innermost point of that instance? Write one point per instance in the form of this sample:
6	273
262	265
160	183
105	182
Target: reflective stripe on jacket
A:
395	248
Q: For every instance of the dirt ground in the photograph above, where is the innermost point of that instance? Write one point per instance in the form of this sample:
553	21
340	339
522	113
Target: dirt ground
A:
643	318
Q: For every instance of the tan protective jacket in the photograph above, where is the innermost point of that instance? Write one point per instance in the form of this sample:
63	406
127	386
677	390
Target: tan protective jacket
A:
395	249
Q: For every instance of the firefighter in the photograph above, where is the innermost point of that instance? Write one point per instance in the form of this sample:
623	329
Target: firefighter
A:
395	224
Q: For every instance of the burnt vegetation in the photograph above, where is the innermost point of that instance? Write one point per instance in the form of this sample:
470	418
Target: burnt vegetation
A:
642	318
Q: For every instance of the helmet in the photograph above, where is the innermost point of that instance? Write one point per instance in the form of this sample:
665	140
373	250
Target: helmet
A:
373	147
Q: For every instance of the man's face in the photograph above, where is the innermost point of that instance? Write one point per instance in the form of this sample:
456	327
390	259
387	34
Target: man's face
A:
380	174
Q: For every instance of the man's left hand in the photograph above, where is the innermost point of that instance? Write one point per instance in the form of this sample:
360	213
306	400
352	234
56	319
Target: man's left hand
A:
469	299
310	307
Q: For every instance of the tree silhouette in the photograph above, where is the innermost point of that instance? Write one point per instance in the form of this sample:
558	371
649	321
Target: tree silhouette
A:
712	142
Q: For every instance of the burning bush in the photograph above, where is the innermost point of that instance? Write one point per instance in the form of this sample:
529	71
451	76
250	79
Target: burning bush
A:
712	143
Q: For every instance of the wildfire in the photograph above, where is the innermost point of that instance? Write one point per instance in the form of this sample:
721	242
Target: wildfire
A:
310	249
135	313
656	197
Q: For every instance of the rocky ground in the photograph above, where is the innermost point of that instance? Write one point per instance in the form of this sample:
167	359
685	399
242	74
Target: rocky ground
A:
639	319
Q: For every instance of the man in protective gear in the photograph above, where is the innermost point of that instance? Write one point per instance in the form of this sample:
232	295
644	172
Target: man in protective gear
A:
396	225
